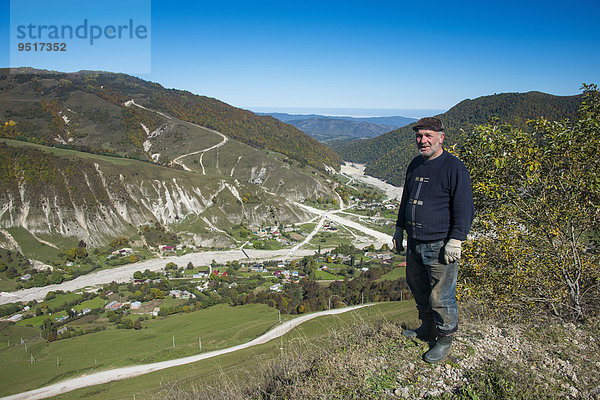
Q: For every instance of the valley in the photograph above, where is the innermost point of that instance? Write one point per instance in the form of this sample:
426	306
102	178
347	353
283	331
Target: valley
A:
123	215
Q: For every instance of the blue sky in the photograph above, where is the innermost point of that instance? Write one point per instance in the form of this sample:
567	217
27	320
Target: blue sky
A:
313	55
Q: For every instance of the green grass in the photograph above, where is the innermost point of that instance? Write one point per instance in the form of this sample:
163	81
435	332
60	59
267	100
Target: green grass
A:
219	327
233	366
12	334
393	275
326	276
7	285
62	299
65	153
39	320
96	302
31	247
60	241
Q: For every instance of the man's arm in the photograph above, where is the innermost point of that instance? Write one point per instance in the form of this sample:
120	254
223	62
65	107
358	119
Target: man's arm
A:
398	238
461	211
461	204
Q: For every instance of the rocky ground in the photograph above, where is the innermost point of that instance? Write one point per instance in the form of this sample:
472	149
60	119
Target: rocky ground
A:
489	360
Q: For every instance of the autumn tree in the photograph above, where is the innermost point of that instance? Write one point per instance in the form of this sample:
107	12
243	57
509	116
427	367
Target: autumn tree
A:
537	196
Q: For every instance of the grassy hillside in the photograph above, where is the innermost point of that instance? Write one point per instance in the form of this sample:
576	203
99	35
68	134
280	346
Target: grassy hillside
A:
57	193
86	110
388	155
236	368
219	327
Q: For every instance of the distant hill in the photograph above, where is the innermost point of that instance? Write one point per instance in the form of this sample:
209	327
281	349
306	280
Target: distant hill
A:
328	128
388	155
46	98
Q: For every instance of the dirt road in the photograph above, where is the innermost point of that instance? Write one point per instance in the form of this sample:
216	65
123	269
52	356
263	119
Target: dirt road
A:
136	370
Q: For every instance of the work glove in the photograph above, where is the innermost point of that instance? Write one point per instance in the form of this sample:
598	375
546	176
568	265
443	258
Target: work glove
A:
398	239
452	251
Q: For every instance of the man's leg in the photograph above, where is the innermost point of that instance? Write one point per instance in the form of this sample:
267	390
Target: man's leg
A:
419	283
442	299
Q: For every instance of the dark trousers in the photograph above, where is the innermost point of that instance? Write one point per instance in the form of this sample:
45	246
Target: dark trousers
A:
433	284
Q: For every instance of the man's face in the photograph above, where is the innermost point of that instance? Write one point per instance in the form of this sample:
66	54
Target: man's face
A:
429	143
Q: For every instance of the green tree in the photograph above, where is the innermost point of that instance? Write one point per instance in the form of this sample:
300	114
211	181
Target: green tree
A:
537	196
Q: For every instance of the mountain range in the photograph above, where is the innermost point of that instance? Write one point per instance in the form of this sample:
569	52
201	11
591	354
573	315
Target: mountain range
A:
92	156
95	155
329	128
387	156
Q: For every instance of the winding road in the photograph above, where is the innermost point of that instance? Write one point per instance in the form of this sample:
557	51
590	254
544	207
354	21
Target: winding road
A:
178	159
136	370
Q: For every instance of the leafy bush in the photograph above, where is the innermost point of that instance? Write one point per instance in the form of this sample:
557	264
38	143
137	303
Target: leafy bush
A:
537	197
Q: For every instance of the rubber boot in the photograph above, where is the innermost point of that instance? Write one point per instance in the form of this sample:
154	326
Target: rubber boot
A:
439	351
426	332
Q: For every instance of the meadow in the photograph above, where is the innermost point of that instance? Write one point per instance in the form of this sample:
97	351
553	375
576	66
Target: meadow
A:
218	327
232	368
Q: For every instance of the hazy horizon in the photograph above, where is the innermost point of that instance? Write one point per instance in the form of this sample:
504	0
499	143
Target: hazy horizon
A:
353	112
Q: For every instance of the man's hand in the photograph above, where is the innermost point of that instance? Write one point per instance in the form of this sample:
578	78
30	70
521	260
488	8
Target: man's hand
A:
397	240
452	251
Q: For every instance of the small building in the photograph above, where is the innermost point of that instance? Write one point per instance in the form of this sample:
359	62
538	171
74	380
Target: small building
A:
62	330
276	287
155	311
113	305
136	305
26	277
16	318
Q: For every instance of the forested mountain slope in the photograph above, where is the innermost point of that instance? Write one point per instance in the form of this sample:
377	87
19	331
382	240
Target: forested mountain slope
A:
86	110
58	186
388	155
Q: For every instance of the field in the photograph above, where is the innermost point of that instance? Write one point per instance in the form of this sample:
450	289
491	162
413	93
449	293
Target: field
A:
393	275
32	248
218	327
324	275
230	368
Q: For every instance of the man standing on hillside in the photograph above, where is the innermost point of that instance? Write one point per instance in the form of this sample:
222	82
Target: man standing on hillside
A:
436	210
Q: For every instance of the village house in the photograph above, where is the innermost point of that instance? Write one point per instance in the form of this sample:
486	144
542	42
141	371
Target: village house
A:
16	318
123	252
136	305
258	268
168	250
113	305
276	287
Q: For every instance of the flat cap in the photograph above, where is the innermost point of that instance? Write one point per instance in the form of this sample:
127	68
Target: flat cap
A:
430	124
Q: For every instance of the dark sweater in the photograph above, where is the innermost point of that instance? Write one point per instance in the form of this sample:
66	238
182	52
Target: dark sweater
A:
437	199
